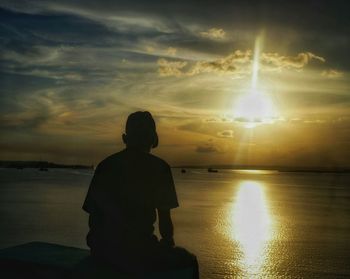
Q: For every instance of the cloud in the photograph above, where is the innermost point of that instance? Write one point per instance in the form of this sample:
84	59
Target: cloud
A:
36	55
118	16
170	68
218	120
24	120
276	61
171	51
150	49
237	63
228	64
232	63
315	121
213	34
225	134
308	120
52	74
332	73
67	63
208	147
88	55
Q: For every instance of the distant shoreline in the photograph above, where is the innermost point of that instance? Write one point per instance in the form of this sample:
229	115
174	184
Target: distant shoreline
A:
270	168
50	165
40	165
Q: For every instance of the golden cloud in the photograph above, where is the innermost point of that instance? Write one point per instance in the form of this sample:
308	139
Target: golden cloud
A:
171	51
237	63
229	64
170	68
276	61
332	73
232	63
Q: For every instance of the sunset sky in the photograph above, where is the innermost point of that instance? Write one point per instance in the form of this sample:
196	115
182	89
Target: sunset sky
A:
236	82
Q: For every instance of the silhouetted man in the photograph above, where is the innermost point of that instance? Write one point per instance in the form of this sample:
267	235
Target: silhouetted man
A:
127	191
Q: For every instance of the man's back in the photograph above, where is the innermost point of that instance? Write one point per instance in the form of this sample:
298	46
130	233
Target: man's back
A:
123	196
129	189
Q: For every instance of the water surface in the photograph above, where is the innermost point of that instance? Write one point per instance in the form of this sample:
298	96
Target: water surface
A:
240	224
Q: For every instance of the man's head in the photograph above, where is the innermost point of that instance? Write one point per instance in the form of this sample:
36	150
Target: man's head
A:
140	131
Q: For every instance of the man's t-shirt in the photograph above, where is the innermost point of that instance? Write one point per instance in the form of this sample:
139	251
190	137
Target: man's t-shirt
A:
124	193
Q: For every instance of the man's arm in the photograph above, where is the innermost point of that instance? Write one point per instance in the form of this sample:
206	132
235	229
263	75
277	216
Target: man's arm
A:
166	227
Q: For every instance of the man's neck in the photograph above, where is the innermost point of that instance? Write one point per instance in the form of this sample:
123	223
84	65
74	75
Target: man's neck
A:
138	148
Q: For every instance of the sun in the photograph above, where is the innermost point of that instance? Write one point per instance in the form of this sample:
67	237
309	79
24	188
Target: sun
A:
255	107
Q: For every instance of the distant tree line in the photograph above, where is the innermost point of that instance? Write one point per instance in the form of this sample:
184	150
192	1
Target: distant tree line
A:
40	164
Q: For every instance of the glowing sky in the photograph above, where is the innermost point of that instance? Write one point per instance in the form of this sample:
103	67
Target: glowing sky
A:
71	72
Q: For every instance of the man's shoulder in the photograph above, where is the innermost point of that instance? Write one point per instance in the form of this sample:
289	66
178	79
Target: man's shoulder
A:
122	155
158	161
111	159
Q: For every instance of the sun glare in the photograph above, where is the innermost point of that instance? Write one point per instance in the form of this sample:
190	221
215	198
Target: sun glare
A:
252	225
255	107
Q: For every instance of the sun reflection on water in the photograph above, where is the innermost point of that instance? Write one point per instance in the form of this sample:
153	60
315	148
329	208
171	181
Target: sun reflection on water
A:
251	226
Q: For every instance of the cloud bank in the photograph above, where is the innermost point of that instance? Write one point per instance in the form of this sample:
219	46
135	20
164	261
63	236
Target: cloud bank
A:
237	63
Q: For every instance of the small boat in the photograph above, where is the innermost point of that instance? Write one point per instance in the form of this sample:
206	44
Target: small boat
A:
212	170
43	169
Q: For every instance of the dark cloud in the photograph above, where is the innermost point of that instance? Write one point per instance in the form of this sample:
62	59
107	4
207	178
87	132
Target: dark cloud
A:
308	17
307	11
207	148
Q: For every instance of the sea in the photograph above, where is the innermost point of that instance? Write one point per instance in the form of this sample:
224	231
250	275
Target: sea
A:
239	223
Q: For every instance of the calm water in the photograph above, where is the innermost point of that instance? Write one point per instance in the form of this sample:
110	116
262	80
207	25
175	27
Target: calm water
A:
239	224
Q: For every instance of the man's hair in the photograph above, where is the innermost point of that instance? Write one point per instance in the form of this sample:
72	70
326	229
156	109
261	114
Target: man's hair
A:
140	130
